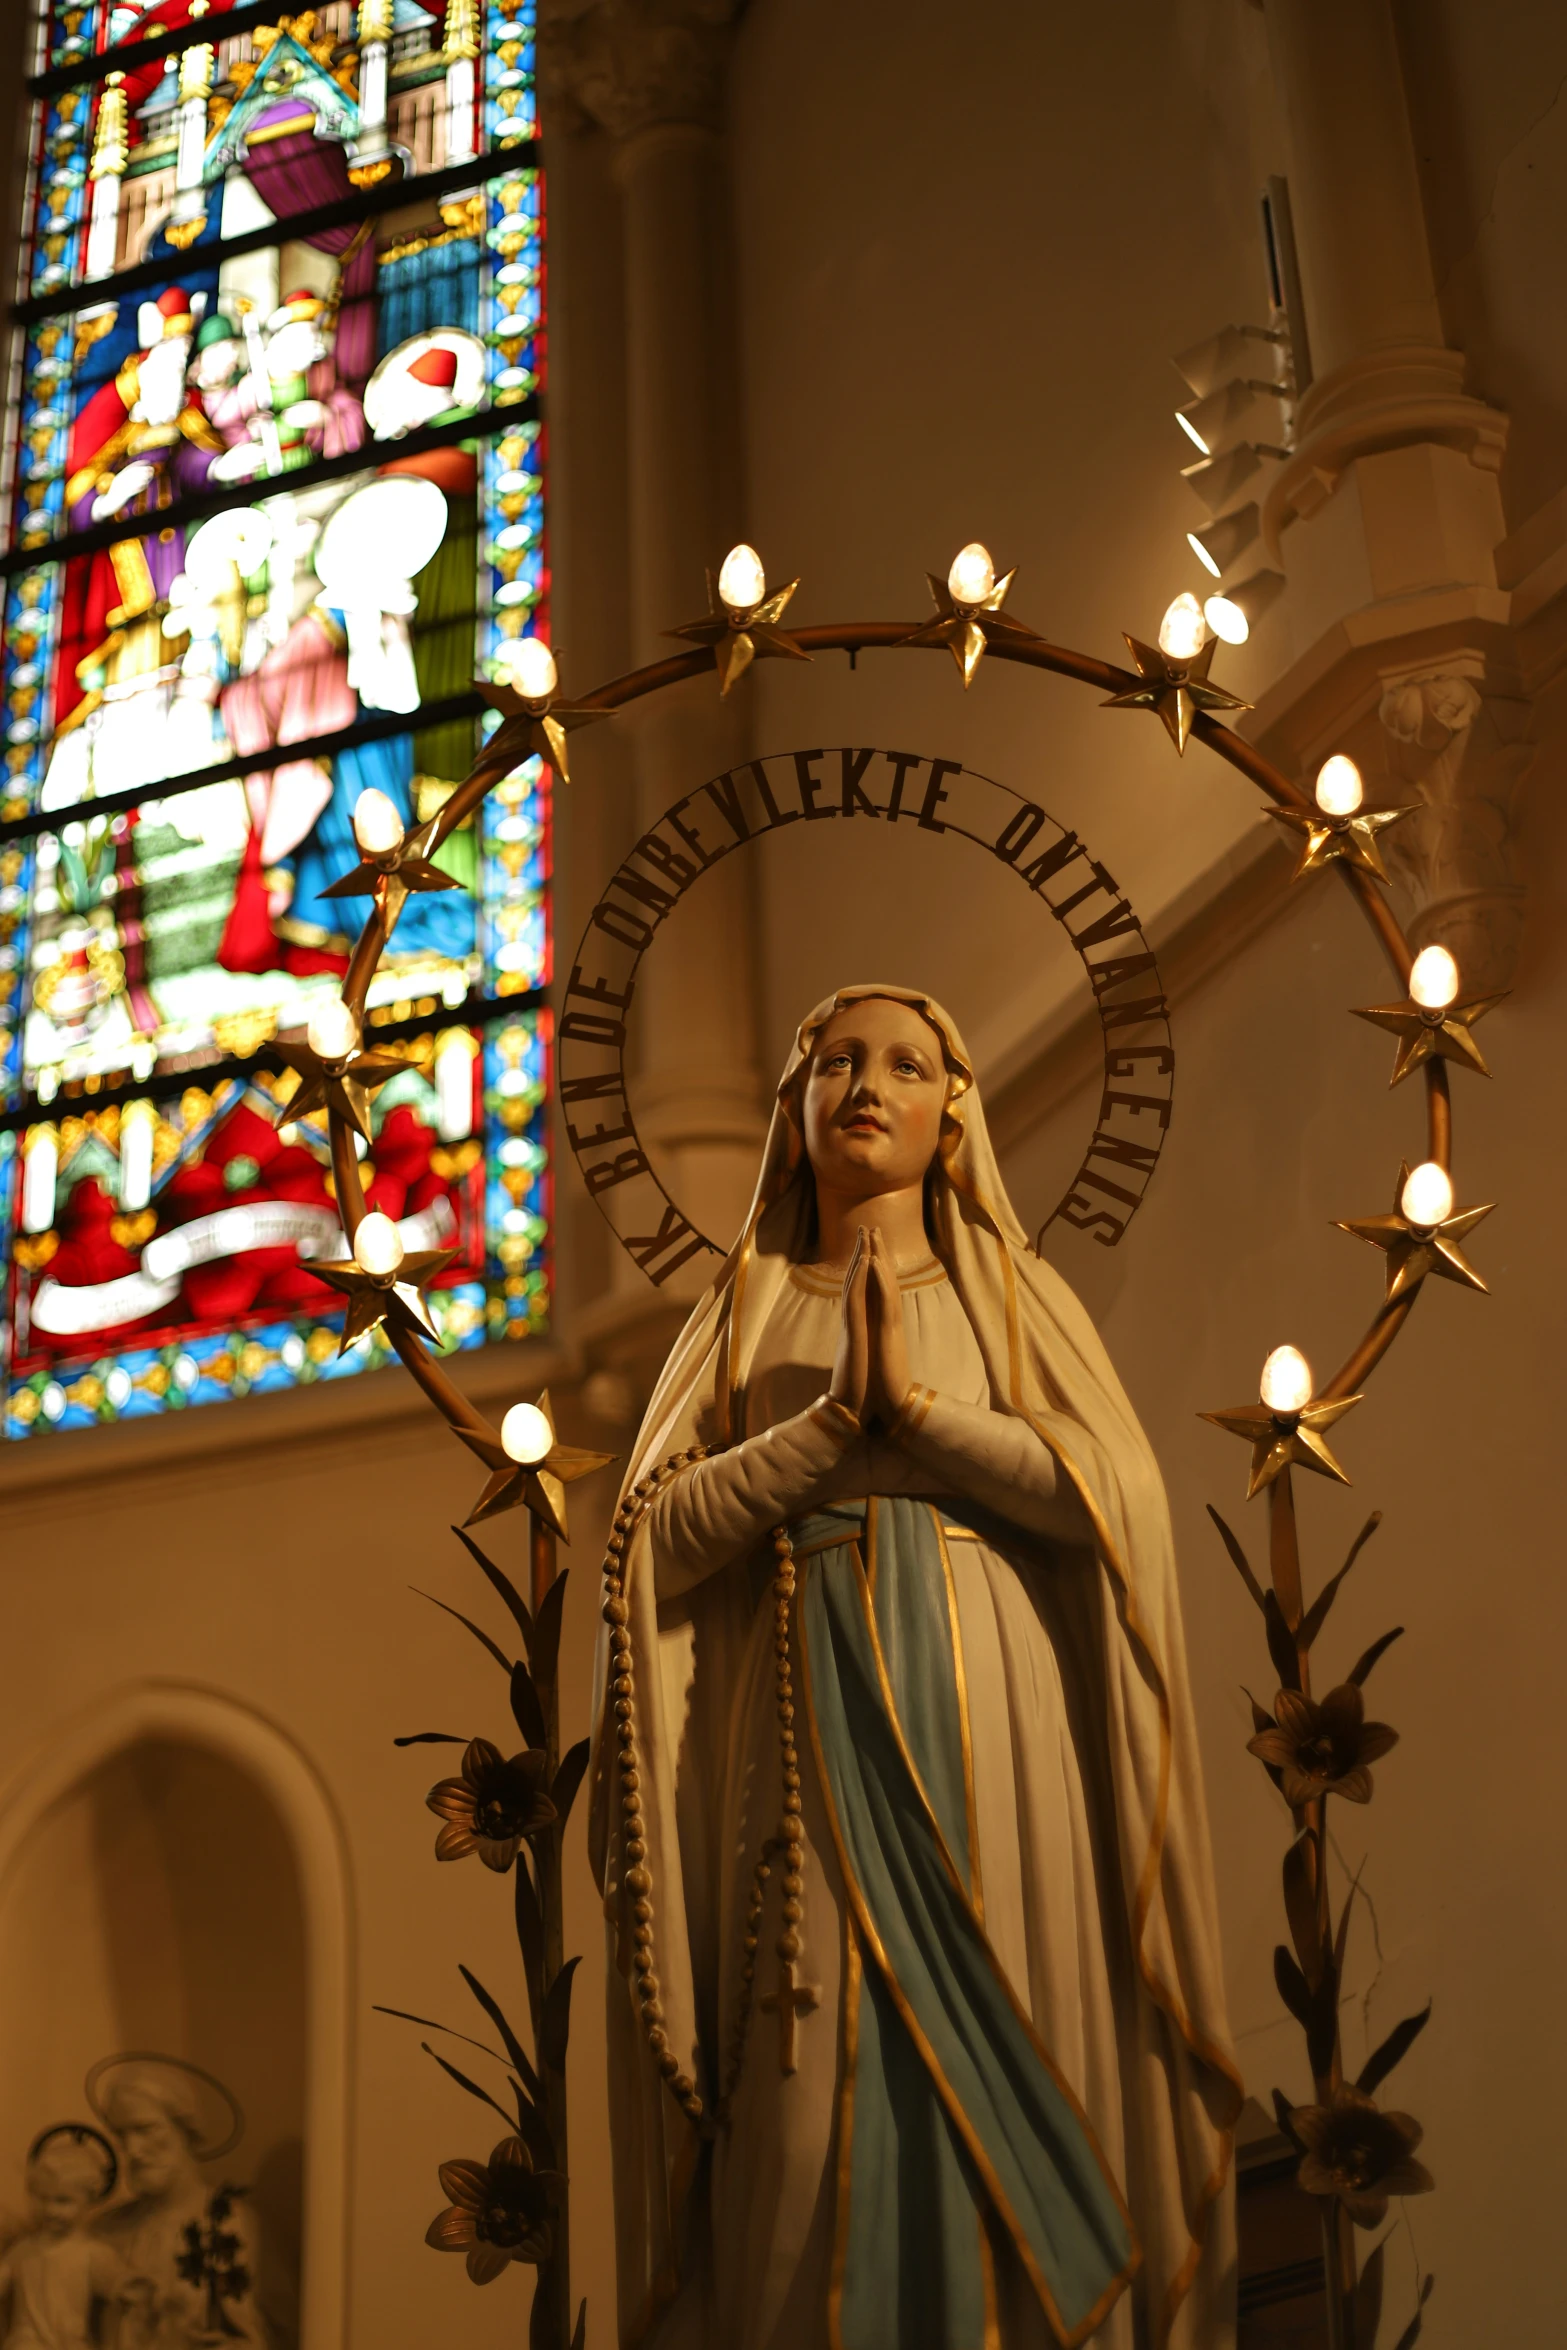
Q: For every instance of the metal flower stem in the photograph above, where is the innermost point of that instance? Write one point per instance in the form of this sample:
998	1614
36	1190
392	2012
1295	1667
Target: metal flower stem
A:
555	2275
1338	2235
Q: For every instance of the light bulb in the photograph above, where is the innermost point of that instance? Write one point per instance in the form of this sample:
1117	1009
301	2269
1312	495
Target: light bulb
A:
1286	1380
378	1246
1228	622
973	575
526	1436
332	1032
1433	979
377	826
1183	631
1427	1196
742	583
531	667
1339	788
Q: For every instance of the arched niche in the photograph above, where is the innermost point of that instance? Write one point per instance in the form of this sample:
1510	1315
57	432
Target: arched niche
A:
172	1877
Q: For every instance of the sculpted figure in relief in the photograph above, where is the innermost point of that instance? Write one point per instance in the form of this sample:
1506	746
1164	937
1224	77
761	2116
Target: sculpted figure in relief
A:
917	2030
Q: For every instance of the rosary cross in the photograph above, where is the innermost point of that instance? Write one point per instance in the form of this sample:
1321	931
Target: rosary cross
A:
790	2000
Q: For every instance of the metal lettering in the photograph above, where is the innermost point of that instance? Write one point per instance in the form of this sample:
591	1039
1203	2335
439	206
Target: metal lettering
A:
855	802
1119	919
1018	830
810	785
1144	1156
634	933
774	812
936	792
593	1028
900	762
724	793
1136	1103
609	1172
1046	866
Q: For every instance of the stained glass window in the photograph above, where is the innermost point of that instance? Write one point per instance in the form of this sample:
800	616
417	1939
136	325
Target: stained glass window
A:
274	499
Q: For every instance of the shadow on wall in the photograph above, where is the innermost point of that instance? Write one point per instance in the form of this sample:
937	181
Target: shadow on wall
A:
156	1906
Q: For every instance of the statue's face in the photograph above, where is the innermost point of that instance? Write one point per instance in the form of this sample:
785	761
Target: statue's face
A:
59	2204
157	2155
873	1098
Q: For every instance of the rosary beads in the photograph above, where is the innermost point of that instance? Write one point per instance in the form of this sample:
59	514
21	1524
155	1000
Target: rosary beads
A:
791	1999
622	1701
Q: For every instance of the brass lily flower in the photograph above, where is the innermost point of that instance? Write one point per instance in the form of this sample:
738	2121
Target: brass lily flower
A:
492	1806
1322	1747
499	2211
1359	2154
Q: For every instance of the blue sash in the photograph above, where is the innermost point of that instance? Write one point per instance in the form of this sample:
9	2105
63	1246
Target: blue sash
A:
957	2135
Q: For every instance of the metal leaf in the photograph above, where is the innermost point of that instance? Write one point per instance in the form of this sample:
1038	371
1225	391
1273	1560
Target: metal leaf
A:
1373	1652
1322	2022
1294	1989
405	2015
431	1738
1262	1720
1281	1643
563	1794
483	1638
527	1712
556	2026
530	1936
1368	2299
1317	1614
514	2047
580	2330
545	1651
1393	2050
1411	2333
463	2082
1285	2114
1300	1904
1242	1563
503	1584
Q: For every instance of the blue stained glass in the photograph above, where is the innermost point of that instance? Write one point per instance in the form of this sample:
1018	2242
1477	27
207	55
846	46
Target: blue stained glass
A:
199	576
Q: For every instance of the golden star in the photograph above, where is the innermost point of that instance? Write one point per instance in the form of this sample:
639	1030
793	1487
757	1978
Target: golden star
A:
536	1485
535	728
1425	1035
344	1086
966	629
1278	1439
1176	689
739	637
1414	1250
391	1298
389	879
1354	838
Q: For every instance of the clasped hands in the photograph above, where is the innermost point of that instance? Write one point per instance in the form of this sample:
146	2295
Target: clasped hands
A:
870	1373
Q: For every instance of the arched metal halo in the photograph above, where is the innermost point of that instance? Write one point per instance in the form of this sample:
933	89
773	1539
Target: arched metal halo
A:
854	637
179	2064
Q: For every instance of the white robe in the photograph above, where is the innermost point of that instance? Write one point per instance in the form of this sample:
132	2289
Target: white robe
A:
764	2282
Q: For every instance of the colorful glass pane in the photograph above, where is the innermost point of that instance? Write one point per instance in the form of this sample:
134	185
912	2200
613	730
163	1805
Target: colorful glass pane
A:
275	500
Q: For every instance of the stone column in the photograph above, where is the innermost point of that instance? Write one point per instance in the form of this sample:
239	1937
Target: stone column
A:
1384	377
1354	189
1387	516
650	73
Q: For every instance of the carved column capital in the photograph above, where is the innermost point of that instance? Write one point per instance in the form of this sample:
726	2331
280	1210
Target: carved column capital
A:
627	66
1464	748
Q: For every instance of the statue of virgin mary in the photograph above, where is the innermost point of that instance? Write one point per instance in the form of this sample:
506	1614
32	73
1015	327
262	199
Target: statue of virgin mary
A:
916	2023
